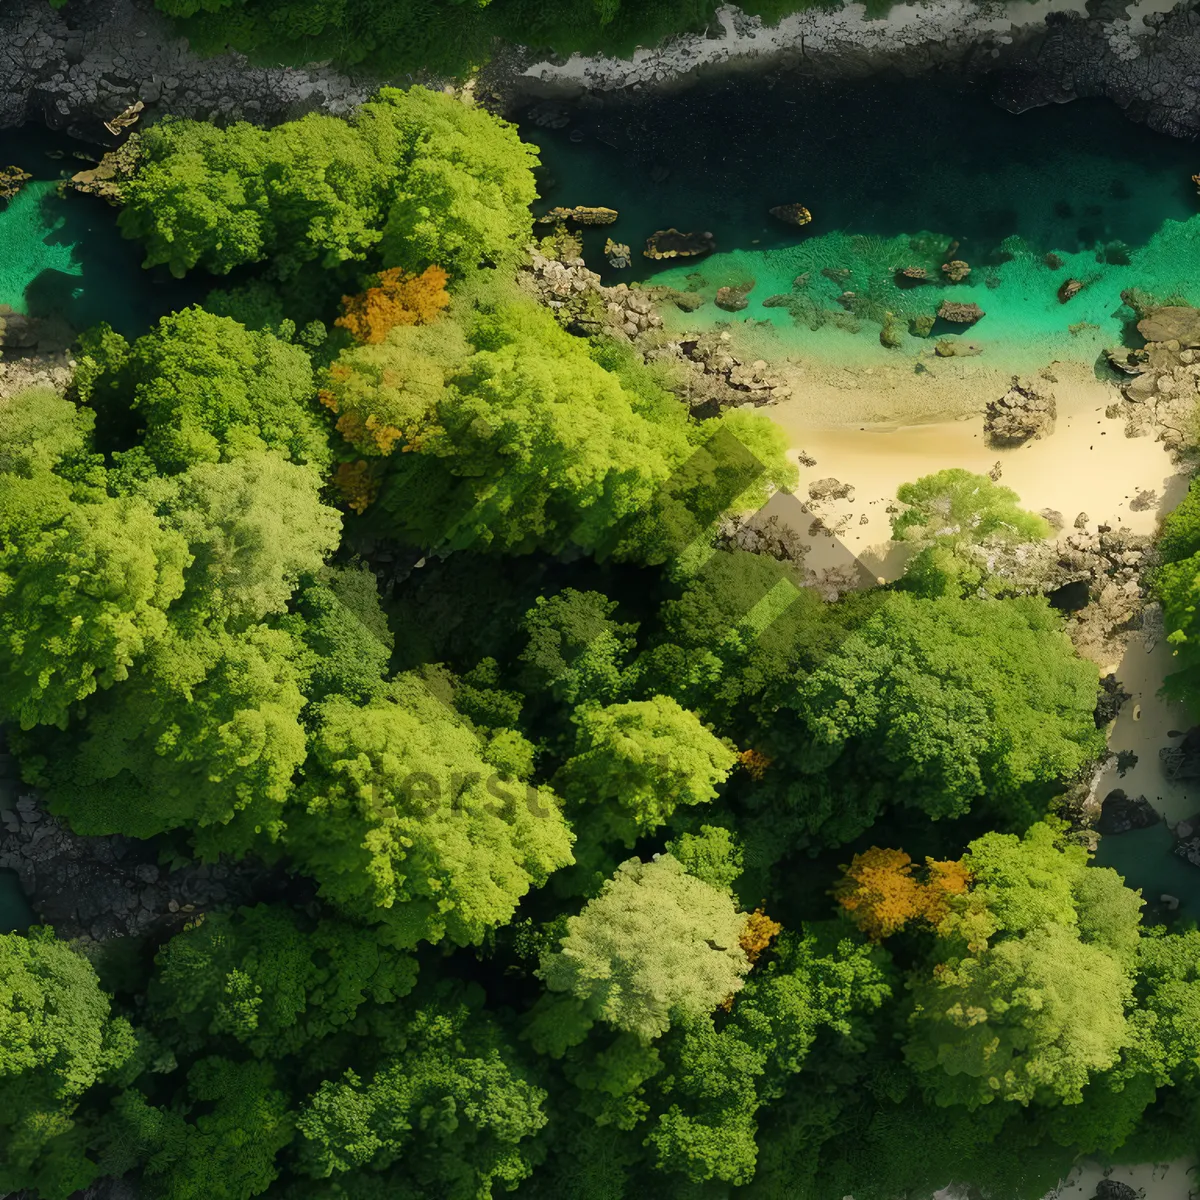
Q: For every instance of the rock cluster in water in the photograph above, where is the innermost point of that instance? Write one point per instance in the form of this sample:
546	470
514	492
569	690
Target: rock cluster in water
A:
670	243
1027	410
1120	813
1164	387
581	214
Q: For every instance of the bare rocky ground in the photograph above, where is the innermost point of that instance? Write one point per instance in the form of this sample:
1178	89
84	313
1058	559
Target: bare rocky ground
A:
77	67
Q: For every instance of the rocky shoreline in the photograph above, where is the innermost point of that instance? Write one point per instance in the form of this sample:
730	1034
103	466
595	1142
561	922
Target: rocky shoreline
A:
73	69
1139	55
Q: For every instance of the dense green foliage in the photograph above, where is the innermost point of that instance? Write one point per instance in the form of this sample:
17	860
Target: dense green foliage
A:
373	581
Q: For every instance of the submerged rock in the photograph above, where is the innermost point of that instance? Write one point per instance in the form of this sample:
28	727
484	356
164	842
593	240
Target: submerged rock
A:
1121	813
1069	288
733	299
952	348
1023	412
960	314
956	270
792	214
670	243
1182	761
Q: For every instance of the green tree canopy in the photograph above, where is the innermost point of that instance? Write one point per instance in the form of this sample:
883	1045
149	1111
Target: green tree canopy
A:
949	512
576	651
635	763
465	184
655	946
254	526
952	700
39	429
204	386
510	464
272	980
203	736
448	1101
1028	1002
404	821
84	594
57	1039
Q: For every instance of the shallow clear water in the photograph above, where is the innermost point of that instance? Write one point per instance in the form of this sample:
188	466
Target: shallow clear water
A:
63	254
893	173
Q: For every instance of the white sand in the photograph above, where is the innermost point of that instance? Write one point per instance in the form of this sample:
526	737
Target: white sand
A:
1086	465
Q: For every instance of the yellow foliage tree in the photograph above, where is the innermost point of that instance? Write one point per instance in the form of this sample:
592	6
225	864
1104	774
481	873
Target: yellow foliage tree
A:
758	934
880	892
397	298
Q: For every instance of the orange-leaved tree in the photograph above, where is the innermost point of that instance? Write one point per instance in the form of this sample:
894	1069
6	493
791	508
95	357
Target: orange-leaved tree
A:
396	298
882	895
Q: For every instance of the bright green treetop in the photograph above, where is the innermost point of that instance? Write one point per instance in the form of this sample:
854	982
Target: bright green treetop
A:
637	762
82	597
204	736
254	526
406	822
465	183
1029	1001
655	946
1029	1018
534	445
949	512
204	386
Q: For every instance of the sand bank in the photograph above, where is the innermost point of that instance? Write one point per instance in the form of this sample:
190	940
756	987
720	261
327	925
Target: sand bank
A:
1086	465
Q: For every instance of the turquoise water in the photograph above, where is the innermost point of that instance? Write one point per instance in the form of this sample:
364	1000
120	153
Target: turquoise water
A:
893	175
1144	858
63	255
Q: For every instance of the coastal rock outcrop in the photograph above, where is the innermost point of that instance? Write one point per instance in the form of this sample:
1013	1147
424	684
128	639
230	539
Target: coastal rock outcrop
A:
87	65
1120	813
581	214
96	888
1027	410
1164	385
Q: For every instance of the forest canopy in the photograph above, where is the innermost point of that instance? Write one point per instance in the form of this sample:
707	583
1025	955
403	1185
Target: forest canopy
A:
575	850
